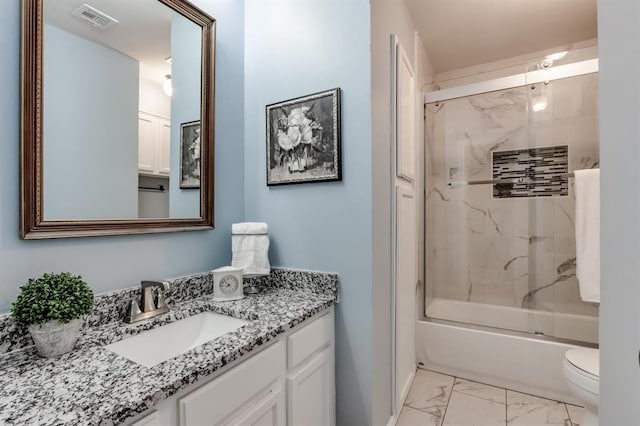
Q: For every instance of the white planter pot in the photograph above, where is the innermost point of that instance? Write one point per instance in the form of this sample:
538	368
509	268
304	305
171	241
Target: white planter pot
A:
54	338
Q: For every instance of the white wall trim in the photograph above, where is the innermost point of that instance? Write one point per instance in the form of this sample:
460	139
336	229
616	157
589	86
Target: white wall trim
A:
392	420
395	41
394	417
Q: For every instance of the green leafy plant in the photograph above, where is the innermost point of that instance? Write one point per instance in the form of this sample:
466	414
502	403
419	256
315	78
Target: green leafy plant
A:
63	297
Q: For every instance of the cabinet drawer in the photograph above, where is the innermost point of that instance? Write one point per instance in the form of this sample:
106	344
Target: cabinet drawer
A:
268	411
303	343
216	400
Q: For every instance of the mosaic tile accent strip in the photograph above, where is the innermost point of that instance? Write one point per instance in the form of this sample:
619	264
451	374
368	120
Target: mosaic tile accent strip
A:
535	172
111	307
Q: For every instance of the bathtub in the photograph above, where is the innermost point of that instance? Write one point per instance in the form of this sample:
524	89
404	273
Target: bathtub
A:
504	355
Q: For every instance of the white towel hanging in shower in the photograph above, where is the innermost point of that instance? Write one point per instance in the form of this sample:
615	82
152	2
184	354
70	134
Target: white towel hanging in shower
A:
587	190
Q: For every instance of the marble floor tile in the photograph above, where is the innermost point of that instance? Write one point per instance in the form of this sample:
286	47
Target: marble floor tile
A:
439	399
469	410
575	414
480	390
523	409
430	392
412	417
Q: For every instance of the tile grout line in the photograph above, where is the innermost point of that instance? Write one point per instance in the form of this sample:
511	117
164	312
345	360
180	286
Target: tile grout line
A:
467	393
499	387
446	408
506	390
568	414
455	378
506	408
422	410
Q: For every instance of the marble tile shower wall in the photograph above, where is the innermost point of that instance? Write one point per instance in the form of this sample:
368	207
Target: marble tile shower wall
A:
516	252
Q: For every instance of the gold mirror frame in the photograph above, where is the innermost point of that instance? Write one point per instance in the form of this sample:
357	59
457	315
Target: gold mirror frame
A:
32	224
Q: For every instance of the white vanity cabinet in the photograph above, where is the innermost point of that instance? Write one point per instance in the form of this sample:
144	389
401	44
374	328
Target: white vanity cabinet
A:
154	144
268	411
246	391
290	382
311	377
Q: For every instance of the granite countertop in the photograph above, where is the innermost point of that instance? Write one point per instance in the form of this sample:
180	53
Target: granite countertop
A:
93	386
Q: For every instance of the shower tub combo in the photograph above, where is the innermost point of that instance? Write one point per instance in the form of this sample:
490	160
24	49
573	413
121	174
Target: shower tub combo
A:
502	303
498	355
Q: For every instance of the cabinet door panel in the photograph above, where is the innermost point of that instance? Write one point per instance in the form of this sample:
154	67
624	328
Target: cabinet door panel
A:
150	420
146	144
310	392
164	147
269	411
229	393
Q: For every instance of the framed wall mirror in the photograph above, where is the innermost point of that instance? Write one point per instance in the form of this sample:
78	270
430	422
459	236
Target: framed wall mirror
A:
117	118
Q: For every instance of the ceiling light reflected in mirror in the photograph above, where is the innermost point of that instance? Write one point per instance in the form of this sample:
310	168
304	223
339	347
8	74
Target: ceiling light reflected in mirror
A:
166	86
539	103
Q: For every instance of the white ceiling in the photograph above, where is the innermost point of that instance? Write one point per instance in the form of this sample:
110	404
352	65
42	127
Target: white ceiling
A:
461	33
143	31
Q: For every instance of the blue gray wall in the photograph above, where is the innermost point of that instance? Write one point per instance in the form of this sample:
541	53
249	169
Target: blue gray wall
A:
186	68
306	46
91	129
109	263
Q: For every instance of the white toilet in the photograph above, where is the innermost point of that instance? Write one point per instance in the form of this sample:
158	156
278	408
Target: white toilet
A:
581	369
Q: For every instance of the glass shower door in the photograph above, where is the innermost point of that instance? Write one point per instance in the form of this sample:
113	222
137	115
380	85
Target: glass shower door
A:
500	245
570	124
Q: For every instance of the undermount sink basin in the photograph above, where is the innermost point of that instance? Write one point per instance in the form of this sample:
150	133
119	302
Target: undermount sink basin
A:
152	347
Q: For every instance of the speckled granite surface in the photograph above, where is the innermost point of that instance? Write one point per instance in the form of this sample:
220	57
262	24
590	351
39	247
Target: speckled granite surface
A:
94	386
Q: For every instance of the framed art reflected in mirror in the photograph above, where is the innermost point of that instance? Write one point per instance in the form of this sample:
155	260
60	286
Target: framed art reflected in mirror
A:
190	155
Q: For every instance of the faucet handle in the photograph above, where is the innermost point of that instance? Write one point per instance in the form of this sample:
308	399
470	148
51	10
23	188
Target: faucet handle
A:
148	303
153	297
162	285
133	311
150	283
161	303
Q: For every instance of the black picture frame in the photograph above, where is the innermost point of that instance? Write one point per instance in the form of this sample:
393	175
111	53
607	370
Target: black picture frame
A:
190	155
304	139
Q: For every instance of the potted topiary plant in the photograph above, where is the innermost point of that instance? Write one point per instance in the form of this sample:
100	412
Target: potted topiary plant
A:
50	308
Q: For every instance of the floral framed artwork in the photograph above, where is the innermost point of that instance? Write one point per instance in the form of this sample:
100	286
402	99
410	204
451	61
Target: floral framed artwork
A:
190	155
303	139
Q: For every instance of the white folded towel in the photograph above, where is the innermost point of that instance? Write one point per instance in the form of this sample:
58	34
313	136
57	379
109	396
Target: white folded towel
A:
587	190
249	228
250	248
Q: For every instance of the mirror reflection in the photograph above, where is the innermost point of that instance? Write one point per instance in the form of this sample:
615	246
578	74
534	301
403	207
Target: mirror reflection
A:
122	110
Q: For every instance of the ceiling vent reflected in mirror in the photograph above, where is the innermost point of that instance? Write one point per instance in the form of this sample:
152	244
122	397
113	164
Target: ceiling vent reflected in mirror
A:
96	18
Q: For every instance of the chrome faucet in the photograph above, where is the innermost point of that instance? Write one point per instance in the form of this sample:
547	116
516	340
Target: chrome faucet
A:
153	303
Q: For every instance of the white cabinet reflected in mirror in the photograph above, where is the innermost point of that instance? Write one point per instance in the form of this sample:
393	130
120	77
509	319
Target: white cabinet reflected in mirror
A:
109	87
